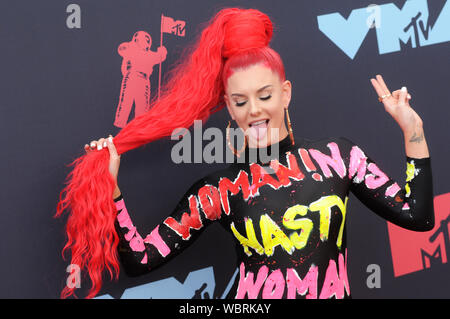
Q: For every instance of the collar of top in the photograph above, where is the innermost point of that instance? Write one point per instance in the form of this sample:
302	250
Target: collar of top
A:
263	155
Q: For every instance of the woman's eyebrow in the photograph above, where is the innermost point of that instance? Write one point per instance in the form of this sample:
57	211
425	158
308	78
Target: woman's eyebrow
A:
259	90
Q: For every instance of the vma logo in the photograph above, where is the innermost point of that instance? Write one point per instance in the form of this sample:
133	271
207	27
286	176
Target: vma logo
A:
199	284
415	251
411	24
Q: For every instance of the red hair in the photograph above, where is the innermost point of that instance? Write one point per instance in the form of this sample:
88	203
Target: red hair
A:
234	38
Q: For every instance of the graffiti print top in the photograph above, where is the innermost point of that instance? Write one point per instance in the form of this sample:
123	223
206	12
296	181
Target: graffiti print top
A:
287	216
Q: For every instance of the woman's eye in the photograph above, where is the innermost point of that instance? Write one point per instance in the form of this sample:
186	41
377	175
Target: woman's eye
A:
262	98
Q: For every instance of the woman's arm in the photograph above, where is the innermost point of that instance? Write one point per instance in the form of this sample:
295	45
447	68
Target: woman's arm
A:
408	205
141	254
415	143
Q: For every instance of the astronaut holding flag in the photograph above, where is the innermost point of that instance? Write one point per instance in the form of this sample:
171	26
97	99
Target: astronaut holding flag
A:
137	66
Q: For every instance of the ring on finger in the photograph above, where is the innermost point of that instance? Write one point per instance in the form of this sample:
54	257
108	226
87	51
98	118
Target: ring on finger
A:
381	98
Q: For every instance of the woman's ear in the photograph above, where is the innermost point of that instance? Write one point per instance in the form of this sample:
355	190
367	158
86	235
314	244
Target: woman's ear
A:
286	87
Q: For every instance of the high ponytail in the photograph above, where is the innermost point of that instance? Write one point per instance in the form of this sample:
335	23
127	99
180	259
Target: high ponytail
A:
194	90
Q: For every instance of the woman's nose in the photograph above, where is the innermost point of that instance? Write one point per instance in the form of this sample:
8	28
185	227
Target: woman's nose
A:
254	107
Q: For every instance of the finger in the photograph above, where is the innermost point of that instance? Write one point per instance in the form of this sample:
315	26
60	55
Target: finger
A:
111	147
93	145
396	94
381	92
382	84
377	87
402	100
101	144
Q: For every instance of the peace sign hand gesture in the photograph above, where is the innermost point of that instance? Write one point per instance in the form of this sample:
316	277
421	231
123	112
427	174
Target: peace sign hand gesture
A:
397	105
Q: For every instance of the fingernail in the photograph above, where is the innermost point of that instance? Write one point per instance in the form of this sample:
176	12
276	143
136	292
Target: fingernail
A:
99	147
92	145
409	96
404	89
110	139
104	144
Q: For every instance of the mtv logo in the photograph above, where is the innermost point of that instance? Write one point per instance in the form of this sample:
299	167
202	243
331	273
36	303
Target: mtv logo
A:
415	251
198	284
393	25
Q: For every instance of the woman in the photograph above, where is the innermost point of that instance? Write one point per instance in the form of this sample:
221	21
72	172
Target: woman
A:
287	212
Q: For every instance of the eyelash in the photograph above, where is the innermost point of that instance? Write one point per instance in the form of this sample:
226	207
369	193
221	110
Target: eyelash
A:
262	98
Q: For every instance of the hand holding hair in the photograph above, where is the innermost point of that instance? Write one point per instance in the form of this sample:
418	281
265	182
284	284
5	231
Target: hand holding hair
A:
114	157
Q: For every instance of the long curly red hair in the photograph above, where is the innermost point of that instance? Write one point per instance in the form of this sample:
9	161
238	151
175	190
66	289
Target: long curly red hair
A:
234	38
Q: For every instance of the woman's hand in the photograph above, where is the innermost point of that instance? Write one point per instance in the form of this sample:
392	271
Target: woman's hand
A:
397	105
114	158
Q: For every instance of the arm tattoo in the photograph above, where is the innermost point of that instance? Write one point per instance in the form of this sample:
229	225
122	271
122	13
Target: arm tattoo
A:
416	139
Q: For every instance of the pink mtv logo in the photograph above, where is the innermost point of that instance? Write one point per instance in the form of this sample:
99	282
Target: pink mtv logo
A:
415	251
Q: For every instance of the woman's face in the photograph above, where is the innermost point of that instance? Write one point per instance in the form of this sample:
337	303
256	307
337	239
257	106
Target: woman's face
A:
256	99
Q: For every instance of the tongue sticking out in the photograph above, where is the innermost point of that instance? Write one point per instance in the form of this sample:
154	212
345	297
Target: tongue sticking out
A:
259	131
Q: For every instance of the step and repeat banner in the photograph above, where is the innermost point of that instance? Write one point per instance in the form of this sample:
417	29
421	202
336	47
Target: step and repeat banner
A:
75	71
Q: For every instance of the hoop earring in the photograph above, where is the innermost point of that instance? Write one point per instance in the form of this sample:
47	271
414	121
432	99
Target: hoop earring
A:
291	133
237	153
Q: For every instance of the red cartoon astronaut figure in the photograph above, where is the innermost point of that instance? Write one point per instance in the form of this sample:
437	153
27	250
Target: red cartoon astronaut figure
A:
137	66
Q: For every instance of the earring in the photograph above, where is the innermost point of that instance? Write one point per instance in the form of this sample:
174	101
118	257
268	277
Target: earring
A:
291	134
237	153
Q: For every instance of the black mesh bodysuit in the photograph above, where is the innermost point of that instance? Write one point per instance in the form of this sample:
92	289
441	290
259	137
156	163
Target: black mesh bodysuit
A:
286	214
